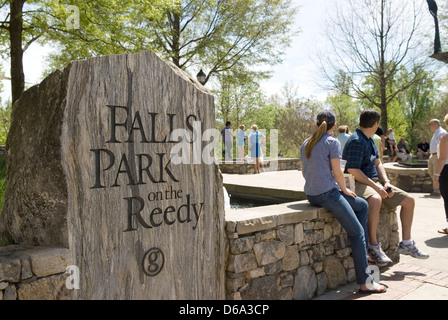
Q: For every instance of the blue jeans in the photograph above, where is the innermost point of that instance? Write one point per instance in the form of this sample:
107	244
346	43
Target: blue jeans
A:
351	213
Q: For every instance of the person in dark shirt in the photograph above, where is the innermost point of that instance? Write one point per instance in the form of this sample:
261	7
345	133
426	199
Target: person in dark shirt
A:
227	137
403	151
423	149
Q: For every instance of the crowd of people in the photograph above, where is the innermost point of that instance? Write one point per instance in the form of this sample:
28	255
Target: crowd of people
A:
253	141
361	152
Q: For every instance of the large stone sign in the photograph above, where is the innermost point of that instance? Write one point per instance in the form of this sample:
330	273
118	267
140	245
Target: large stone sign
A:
113	158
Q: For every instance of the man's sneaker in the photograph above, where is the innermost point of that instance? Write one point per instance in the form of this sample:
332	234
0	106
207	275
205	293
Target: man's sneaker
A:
378	255
411	250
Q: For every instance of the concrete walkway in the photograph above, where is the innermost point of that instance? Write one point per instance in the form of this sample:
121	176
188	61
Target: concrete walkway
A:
410	279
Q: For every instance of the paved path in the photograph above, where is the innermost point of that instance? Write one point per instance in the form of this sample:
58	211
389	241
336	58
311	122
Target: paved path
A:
410	279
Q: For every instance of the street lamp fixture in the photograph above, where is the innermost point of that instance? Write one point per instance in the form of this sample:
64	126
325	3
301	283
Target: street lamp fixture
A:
202	77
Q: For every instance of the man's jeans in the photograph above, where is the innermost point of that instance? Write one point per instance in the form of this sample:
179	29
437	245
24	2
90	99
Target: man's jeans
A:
351	213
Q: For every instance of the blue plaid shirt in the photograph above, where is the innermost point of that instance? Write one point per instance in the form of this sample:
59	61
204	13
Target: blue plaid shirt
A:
361	153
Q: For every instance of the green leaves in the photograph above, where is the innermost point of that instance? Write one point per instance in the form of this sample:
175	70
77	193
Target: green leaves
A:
214	35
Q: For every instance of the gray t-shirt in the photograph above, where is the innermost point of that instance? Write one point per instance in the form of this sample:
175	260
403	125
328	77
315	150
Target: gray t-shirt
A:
317	169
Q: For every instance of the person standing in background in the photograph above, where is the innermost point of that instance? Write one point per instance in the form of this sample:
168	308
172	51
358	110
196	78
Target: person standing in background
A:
227	137
438	132
255	139
390	138
379	140
240	140
440	180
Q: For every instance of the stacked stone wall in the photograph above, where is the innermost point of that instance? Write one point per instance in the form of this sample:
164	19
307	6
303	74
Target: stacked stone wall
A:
33	273
297	254
283	252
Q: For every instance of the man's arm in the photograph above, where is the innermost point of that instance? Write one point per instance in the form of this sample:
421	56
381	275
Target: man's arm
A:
362	178
382	176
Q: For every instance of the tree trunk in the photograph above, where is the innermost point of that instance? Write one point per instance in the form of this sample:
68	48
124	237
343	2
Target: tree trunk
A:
15	34
382	73
176	40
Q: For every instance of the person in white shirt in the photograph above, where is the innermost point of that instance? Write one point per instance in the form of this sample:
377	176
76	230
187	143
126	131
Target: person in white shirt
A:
441	172
438	132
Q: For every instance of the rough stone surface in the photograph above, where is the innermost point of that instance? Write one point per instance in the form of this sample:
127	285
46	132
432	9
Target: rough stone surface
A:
291	260
91	169
269	252
48	261
242	262
35	203
10	293
305	285
335	272
241	245
322	283
264	288
9	269
241	167
33	273
3	285
50	288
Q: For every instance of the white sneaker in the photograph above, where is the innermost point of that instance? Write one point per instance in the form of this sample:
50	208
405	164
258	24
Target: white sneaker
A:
411	250
378	256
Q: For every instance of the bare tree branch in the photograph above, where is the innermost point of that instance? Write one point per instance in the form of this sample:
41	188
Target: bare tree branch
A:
374	40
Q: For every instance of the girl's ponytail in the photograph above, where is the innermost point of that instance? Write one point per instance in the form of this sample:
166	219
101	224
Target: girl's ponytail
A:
315	138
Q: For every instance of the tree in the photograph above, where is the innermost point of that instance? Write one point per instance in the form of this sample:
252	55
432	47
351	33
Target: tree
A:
374	39
417	107
296	119
214	35
23	22
347	110
237	96
13	24
241	101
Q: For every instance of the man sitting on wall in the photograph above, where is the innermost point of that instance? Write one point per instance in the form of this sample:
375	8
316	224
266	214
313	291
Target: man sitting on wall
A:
371	183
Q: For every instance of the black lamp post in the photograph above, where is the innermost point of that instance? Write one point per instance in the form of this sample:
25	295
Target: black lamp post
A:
438	54
202	77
